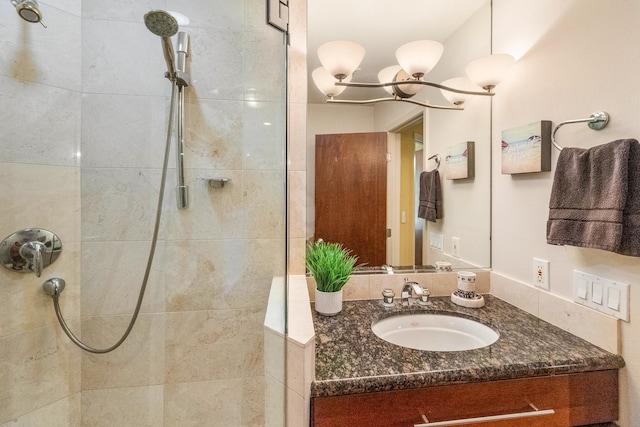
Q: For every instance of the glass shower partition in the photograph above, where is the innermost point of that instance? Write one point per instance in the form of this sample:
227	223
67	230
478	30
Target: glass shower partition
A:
85	105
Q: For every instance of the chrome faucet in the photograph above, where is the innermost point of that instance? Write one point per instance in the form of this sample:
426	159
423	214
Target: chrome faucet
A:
409	288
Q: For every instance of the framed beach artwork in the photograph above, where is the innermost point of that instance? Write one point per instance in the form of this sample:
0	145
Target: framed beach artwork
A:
460	161
527	148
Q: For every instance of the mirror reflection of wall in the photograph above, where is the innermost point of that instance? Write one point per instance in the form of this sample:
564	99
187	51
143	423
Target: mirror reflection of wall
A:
466	202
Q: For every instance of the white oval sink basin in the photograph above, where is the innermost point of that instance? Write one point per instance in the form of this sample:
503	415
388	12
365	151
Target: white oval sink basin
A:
434	332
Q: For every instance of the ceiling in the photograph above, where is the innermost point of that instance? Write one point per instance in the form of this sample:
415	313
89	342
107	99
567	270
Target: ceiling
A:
381	26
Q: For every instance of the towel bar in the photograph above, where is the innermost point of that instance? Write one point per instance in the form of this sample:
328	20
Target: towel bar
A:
437	157
596	121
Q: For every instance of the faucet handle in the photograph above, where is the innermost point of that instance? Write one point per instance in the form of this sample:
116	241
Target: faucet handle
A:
387	298
424	298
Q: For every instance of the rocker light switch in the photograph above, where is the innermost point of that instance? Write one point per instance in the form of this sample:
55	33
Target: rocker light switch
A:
583	286
613	299
596	292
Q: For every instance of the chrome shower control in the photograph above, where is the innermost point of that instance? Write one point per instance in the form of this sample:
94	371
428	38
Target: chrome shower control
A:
30	250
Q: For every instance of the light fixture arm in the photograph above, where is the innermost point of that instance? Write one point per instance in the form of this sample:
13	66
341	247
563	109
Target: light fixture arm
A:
377	100
413	82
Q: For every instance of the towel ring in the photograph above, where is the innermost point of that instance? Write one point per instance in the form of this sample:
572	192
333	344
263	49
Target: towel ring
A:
437	157
596	121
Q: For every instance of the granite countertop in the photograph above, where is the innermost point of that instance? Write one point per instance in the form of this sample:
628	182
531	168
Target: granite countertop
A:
350	359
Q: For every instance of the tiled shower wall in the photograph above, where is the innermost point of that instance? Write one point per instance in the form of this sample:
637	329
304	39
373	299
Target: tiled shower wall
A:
93	84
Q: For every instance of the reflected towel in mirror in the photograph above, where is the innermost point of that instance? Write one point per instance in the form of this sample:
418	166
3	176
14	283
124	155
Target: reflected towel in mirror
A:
430	207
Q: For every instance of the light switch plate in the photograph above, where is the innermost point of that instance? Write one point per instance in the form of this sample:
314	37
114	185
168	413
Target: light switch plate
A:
604	295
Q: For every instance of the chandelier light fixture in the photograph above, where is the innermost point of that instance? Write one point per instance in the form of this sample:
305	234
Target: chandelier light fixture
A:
341	58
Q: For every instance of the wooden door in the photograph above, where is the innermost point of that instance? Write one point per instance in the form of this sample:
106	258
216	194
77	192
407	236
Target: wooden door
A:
351	193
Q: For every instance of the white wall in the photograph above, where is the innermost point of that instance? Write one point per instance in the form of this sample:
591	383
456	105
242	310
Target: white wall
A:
573	58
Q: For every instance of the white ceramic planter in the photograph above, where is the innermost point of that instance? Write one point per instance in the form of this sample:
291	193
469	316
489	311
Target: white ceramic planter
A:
328	303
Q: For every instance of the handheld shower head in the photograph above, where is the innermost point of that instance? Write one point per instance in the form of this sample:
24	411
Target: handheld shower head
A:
28	10
161	23
164	25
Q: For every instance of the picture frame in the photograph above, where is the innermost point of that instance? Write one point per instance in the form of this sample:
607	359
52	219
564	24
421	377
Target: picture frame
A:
527	148
460	161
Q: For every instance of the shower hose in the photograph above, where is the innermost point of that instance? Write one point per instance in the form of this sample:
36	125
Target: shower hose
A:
152	251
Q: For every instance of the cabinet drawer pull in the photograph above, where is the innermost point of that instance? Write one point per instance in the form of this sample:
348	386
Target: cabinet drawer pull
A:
528	414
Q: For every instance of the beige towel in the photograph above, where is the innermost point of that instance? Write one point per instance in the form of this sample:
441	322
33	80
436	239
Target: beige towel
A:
589	197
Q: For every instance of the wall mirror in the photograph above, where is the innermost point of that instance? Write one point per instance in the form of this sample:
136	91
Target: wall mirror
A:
414	134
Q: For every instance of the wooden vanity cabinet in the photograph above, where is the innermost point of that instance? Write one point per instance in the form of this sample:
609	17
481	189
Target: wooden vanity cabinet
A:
577	399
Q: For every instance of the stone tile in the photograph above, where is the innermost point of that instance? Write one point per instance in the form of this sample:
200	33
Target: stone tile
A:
124	407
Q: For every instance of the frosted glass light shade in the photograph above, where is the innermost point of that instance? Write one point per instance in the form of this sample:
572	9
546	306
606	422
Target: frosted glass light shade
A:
340	57
326	83
417	58
490	70
387	75
461	83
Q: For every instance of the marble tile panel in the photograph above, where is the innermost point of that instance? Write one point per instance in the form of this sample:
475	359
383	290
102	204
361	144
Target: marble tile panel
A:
123	407
253	402
255	16
63	413
264	203
202	275
112	275
124	131
119	204
274	354
41	124
215	63
220	14
214	403
24	306
522	296
265	135
119	10
213	133
42	184
122	58
356	288
28	380
204	345
213	213
263	57
298	138
71	6
597	328
297	208
297	248
138	361
275	392
34	54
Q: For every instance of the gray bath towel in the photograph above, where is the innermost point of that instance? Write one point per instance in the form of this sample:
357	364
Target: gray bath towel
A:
430	207
590	196
630	244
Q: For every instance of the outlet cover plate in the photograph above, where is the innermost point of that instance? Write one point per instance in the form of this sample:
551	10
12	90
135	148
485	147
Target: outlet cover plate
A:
541	273
455	247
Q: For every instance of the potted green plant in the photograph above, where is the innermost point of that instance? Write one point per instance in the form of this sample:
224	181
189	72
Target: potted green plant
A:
331	266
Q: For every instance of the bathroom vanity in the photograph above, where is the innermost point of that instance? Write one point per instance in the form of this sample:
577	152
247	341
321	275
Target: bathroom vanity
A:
535	374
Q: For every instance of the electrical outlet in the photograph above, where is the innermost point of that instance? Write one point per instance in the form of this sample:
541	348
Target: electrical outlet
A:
541	273
455	247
